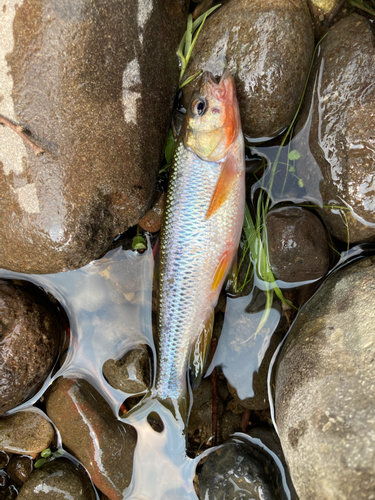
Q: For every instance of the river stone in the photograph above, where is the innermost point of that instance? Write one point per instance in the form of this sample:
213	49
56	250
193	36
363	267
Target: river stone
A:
240	469
20	468
131	373
269	52
297	245
87	424
29	341
341	137
25	433
58	480
93	81
325	390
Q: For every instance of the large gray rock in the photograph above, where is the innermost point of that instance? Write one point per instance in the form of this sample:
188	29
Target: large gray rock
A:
269	52
29	341
94	82
325	391
341	137
58	480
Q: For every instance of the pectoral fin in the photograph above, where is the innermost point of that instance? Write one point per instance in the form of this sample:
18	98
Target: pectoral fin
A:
224	186
200	352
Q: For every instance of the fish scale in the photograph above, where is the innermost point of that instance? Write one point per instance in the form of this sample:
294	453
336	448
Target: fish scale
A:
190	252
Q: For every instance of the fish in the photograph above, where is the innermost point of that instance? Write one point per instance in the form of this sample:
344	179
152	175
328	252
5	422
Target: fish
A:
201	231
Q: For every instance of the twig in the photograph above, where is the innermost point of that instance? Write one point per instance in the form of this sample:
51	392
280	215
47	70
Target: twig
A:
335	11
245	420
214	394
18	129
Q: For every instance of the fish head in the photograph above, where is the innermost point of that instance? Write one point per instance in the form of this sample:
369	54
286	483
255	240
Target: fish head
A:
212	120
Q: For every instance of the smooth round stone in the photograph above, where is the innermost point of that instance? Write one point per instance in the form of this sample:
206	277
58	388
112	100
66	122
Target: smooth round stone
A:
25	433
325	389
29	341
58	480
19	468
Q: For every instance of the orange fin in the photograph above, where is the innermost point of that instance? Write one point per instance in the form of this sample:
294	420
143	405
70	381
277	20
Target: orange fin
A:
200	350
224	186
221	270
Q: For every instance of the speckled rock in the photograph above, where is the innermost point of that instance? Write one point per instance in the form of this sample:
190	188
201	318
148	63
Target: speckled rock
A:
341	137
29	341
20	468
269	52
58	480
152	220
86	424
297	245
325	391
25	433
93	81
240	469
131	373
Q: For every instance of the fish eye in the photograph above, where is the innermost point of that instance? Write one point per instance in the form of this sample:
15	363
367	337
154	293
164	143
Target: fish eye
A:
199	106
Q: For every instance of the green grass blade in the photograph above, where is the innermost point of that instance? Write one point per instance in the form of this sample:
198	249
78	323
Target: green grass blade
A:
189	34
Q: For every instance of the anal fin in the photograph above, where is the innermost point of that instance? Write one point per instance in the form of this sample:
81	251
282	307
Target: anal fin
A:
199	352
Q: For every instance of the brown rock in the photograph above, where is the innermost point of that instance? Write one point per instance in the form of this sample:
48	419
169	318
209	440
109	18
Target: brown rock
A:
131	373
25	433
58	480
87	424
152	220
19	468
94	82
341	137
269	52
297	245
29	340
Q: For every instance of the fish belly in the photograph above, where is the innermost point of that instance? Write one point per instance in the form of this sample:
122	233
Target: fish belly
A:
192	247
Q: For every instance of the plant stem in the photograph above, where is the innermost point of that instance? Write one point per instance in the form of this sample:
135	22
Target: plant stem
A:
19	130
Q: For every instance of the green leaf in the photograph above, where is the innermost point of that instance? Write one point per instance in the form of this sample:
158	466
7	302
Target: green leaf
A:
169	147
294	155
40	462
139	243
46	453
188	80
300	183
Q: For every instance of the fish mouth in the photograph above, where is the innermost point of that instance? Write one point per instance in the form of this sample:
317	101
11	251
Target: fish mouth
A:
209	77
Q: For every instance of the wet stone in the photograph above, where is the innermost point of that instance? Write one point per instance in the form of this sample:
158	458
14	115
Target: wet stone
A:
29	340
19	468
4	478
240	469
25	433
94	84
58	480
131	373
269	52
325	391
153	219
341	137
4	459
200	420
10	492
297	245
87	424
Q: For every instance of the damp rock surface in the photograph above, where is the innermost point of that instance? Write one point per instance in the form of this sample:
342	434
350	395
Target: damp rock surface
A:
93	82
297	245
29	341
269	52
131	373
240	469
87	425
341	138
325	392
25	433
58	480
